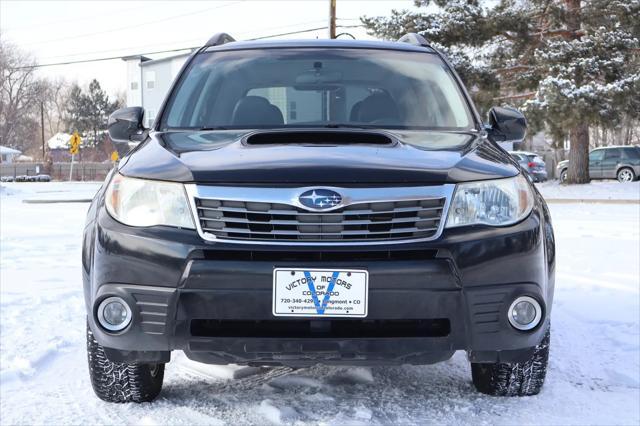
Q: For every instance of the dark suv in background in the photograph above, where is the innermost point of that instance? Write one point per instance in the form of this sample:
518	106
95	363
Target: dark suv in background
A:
613	162
318	201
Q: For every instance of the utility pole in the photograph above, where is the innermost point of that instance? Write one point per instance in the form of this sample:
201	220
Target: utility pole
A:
332	19
42	126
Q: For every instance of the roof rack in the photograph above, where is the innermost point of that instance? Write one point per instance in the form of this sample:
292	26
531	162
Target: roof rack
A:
415	39
219	39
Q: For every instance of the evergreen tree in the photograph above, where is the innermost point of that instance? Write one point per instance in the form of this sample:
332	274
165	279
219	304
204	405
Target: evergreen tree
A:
88	112
568	63
77	110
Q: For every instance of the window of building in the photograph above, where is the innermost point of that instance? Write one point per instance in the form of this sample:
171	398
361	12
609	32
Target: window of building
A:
150	77
134	85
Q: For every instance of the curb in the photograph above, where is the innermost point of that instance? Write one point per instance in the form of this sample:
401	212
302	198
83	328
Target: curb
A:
76	200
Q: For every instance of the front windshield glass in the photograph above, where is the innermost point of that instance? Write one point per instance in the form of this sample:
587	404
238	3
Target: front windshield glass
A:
314	87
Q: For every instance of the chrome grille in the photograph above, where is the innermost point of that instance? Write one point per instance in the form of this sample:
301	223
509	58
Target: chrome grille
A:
221	218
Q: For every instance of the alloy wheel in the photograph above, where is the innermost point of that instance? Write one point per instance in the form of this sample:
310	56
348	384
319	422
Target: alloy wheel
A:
625	175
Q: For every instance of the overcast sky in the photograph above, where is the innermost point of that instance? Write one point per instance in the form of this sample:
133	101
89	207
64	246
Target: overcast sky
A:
59	31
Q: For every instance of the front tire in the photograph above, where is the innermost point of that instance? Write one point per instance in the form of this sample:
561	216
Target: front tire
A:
120	382
519	379
626	175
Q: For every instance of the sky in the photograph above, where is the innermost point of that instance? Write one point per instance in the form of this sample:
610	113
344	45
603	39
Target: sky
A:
62	31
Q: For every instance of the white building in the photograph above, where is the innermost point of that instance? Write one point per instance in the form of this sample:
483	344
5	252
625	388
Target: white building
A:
148	81
8	155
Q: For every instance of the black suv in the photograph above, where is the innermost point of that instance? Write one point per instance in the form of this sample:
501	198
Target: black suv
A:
613	162
323	201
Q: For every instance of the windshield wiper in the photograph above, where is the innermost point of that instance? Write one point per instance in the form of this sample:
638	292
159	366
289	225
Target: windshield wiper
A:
213	128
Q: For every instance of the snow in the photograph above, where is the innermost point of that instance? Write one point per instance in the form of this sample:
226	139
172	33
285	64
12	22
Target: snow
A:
594	375
596	190
59	141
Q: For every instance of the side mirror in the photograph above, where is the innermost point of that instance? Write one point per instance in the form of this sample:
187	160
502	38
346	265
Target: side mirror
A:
125	125
507	124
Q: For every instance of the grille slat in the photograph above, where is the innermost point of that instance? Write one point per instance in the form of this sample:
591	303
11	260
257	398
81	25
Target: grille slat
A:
370	221
306	234
295	222
333	213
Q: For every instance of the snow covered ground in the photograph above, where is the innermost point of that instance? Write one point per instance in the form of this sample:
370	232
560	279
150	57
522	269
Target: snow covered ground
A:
596	190
594	375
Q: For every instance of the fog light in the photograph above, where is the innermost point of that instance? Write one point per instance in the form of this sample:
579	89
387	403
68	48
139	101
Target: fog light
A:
525	313
114	314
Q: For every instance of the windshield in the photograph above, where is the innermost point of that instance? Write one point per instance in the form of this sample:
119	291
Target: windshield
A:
314	87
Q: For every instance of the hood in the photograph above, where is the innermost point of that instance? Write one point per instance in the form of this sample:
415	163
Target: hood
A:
308	157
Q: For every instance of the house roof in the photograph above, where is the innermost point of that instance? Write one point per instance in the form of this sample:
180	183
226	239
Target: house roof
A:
59	141
141	58
4	150
168	58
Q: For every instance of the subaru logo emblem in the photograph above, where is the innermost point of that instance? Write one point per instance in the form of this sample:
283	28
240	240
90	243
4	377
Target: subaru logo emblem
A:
320	199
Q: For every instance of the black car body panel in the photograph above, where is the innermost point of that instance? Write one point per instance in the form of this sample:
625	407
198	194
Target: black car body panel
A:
223	158
204	293
213	299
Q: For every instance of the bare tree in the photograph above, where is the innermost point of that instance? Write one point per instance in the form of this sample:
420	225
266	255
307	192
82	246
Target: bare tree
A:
20	93
55	105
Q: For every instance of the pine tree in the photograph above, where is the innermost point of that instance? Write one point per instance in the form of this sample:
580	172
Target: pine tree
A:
88	112
569	64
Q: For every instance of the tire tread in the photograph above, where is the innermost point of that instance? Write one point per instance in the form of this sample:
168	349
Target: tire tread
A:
120	382
517	379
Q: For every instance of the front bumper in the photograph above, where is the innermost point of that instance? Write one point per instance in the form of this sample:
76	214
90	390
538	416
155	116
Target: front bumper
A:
213	300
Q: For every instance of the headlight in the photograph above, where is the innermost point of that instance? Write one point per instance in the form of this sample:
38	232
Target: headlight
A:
140	202
491	202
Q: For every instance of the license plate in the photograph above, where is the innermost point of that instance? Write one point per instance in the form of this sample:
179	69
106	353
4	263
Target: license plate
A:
320	292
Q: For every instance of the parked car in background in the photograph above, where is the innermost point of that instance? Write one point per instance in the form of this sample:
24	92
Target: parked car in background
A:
612	162
532	163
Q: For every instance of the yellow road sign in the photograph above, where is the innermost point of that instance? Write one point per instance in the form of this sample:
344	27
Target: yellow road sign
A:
114	156
75	142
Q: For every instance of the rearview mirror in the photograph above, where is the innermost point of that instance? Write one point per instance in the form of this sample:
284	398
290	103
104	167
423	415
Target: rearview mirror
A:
125	125
506	125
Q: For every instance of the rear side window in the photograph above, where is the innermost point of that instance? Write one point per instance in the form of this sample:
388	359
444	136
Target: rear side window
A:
612	154
631	153
516	157
596	155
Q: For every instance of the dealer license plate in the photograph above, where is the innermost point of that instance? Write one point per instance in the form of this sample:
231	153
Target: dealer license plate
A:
320	292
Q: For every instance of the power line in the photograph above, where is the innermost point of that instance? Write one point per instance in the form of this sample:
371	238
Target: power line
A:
112	30
111	58
305	31
191	40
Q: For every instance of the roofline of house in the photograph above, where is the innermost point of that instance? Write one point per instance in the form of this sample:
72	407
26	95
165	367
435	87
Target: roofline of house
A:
157	61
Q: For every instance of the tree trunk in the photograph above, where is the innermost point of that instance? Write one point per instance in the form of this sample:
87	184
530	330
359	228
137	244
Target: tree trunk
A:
579	134
579	154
